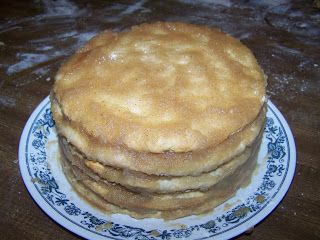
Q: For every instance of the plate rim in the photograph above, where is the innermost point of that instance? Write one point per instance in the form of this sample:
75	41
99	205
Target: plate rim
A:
79	230
268	209
44	206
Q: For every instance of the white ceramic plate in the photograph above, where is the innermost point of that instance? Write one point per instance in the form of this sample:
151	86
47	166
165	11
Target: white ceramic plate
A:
42	175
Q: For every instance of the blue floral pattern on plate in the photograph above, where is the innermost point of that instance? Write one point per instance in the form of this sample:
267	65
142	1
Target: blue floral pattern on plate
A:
278	161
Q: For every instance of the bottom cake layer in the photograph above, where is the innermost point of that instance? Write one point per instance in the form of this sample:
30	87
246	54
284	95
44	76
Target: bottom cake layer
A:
139	205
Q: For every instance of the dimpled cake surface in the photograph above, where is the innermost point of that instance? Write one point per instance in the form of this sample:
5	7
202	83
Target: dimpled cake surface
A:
161	87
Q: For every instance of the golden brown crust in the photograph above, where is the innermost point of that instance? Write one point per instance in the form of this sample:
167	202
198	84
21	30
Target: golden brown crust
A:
161	87
167	163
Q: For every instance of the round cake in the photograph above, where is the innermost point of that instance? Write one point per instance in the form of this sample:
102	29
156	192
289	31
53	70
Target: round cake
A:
163	120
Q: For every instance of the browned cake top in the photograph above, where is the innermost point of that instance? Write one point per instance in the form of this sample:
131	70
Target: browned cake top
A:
161	87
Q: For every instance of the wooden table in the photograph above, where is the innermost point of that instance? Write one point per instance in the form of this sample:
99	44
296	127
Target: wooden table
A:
35	37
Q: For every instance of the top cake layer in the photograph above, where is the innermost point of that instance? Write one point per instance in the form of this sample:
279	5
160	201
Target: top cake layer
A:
161	87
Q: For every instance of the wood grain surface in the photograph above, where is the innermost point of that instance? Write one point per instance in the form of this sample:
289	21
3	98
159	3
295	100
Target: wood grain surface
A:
37	36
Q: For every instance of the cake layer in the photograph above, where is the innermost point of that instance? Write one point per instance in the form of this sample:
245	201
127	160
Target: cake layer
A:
108	208
101	196
132	200
161	87
152	183
162	164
